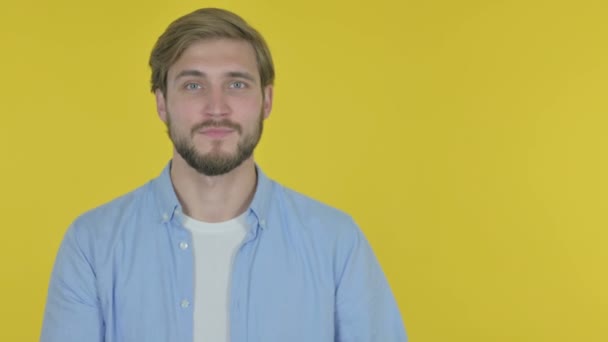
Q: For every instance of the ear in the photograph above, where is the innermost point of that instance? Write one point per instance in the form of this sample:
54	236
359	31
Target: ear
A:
268	96
161	105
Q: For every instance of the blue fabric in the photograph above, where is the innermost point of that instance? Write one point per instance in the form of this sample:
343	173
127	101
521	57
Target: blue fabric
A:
304	272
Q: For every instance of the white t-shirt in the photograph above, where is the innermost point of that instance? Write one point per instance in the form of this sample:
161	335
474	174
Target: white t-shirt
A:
214	247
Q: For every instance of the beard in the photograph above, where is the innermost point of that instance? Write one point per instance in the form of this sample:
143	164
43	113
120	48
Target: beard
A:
215	162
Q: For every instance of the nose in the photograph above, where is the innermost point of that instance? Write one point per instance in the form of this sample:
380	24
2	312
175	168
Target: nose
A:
217	104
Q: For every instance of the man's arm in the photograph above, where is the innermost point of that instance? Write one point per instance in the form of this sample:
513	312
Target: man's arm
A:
72	312
366	310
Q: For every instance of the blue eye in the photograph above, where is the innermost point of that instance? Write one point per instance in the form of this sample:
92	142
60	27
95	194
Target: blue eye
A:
193	86
238	85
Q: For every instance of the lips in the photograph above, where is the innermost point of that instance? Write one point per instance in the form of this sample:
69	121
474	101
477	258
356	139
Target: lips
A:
216	128
216	132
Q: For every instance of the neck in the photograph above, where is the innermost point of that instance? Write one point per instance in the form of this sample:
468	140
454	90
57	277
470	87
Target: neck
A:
213	198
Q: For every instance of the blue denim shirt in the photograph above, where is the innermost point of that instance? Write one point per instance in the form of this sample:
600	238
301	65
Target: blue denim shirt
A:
305	272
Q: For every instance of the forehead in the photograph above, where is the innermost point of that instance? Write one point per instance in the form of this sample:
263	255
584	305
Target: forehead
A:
217	56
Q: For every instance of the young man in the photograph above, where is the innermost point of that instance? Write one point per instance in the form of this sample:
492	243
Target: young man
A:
212	249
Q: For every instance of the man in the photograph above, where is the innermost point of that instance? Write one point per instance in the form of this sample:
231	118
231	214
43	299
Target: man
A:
212	249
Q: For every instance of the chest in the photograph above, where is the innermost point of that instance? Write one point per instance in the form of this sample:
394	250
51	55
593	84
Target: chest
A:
276	291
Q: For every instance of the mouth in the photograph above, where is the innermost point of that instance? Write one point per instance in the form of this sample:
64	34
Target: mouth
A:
216	132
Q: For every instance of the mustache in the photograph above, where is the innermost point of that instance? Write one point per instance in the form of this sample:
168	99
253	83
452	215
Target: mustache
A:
225	123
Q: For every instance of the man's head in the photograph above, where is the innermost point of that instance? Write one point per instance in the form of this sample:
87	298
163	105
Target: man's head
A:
203	24
212	75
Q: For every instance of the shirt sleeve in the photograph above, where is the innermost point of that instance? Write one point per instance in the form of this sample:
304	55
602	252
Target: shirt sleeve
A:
366	310
72	312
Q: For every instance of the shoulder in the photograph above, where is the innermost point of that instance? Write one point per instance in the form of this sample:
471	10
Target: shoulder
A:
113	215
321	232
313	215
94	234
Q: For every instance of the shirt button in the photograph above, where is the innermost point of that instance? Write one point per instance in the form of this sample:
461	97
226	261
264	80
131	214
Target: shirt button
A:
184	304
183	245
165	217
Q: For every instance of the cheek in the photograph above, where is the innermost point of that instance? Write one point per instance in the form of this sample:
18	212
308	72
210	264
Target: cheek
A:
183	111
183	105
247	106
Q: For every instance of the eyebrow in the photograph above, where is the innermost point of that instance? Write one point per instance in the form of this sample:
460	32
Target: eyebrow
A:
185	73
197	73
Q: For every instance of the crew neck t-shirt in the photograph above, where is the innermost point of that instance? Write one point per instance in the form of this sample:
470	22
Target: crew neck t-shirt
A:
214	248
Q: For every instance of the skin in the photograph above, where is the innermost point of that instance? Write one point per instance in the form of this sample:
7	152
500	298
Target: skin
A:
214	80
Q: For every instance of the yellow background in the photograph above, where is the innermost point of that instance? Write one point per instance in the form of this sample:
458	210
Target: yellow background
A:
467	138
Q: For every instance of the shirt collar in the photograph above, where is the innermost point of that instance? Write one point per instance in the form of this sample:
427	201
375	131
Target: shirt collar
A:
168	204
260	205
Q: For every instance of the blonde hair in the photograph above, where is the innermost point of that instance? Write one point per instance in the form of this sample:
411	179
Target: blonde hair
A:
206	23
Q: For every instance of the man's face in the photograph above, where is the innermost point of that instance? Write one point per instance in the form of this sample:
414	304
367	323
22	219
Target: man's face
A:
214	106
